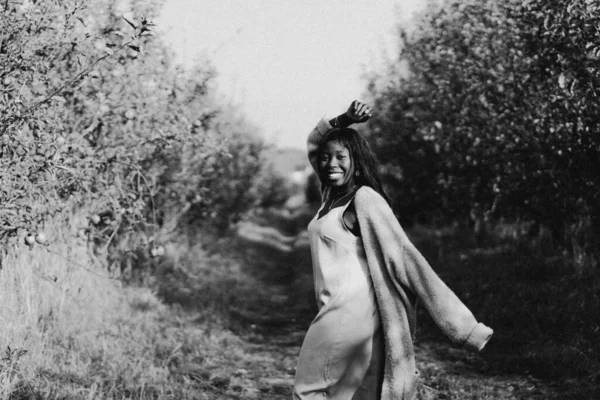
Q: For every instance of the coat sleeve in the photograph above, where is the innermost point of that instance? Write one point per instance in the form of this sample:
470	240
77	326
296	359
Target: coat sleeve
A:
315	138
387	242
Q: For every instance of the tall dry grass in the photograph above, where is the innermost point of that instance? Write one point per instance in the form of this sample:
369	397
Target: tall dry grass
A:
70	331
67	327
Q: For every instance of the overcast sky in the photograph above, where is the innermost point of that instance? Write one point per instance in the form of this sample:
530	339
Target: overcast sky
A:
287	62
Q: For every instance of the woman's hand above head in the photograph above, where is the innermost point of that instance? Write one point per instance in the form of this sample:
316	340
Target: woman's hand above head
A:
358	112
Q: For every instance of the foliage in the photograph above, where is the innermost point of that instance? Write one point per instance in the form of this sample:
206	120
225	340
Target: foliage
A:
69	332
45	155
543	315
94	111
492	108
214	188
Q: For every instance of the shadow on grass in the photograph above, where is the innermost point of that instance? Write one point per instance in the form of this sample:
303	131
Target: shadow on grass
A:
544	313
258	292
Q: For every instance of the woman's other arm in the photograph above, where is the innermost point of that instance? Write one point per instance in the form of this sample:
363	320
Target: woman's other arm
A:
392	251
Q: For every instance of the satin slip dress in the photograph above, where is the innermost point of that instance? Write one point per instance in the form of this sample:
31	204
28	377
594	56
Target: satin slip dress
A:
342	354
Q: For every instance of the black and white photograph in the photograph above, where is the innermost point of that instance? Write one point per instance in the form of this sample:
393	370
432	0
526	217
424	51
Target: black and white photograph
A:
299	200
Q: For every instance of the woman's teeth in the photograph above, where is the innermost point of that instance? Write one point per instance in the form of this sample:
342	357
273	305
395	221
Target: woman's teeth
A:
334	175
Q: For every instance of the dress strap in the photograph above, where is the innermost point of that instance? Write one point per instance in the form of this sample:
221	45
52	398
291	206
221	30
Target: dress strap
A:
345	206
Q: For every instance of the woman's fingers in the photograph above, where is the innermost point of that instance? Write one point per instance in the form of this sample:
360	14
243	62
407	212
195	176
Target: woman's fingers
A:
359	112
367	110
360	108
362	111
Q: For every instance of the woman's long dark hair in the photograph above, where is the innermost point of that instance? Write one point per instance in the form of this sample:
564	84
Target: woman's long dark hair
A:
365	162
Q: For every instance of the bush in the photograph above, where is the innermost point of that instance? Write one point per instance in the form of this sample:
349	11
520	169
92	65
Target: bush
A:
95	113
497	100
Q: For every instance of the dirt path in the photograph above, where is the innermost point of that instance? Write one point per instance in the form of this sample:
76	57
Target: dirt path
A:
252	354
273	328
446	372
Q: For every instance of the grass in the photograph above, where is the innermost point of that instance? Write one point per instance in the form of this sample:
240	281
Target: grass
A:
75	330
543	310
227	323
69	331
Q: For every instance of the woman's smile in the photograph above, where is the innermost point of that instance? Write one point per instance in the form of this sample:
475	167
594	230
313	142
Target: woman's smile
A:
335	164
334	176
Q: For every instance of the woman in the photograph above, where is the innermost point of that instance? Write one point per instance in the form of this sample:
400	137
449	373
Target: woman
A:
368	278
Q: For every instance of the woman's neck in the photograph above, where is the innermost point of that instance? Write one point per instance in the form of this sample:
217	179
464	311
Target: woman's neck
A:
341	191
337	196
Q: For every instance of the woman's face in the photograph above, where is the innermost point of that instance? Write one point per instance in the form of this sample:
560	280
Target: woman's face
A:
335	164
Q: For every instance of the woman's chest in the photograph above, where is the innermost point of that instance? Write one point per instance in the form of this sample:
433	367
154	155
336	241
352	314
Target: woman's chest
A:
331	228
